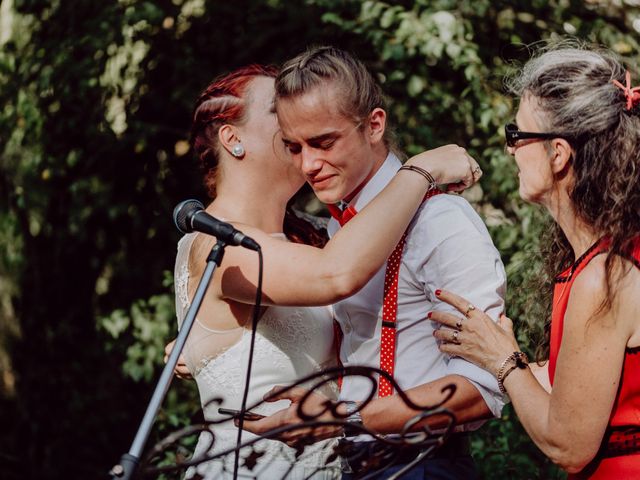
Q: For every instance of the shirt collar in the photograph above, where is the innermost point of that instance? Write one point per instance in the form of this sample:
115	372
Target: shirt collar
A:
375	185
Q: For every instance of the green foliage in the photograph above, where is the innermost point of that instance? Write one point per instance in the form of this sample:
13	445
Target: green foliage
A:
96	100
503	450
145	328
148	322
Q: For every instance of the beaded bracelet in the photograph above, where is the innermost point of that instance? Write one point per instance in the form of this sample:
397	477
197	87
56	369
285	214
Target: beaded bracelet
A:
424	173
518	360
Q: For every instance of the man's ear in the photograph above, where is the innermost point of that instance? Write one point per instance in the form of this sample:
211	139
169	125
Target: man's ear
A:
228	137
377	123
562	155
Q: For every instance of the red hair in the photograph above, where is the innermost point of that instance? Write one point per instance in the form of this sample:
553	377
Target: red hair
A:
222	102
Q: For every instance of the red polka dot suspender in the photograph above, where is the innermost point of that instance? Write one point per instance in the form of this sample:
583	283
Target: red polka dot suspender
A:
389	305
390	313
389	318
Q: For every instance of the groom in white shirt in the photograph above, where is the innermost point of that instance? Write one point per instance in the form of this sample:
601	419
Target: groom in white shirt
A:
333	122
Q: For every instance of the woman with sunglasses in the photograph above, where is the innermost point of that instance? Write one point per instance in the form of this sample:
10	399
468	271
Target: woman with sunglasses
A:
577	146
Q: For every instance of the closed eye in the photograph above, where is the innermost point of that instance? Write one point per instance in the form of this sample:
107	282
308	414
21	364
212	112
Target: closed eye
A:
294	148
323	145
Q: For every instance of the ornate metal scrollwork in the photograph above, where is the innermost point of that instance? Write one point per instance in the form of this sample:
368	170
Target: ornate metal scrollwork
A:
385	450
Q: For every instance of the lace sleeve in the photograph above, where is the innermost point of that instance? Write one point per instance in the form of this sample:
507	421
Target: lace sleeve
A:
181	276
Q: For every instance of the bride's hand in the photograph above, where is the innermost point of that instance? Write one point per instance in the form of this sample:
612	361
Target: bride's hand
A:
293	430
181	370
449	164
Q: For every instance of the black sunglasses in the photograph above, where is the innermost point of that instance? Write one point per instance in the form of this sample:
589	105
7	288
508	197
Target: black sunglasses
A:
512	135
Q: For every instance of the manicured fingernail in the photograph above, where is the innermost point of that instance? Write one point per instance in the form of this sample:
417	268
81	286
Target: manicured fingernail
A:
429	315
438	292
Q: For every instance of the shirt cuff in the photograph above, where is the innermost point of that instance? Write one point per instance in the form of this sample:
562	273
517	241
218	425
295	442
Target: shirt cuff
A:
486	383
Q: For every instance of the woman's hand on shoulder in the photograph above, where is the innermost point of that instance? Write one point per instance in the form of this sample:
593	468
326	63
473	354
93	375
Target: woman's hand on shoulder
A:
472	334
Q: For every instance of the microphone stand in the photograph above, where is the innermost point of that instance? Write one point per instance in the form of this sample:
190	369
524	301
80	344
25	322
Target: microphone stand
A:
128	465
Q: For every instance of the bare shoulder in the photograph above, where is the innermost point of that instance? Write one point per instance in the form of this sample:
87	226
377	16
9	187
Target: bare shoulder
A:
625	279
591	281
203	244
590	291
200	248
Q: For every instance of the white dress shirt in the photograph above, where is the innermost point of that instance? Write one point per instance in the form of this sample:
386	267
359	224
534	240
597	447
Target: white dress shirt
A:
447	247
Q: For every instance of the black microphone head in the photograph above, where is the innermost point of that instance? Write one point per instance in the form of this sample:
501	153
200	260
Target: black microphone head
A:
183	213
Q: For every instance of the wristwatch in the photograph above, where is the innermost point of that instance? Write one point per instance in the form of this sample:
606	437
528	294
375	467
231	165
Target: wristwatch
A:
353	422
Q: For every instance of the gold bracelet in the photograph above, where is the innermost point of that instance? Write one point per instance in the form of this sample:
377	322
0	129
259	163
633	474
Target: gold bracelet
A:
518	360
426	174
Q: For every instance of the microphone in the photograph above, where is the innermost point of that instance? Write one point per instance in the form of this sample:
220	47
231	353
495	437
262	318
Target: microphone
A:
189	216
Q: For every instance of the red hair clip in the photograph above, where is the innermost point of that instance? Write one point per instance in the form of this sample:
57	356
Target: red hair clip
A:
631	94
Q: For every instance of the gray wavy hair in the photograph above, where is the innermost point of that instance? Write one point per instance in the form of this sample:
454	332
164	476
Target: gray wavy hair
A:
572	86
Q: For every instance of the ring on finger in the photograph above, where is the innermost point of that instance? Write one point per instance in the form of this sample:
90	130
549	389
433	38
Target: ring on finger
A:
455	337
469	309
459	324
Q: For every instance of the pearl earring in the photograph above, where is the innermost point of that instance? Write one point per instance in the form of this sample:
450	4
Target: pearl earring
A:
237	150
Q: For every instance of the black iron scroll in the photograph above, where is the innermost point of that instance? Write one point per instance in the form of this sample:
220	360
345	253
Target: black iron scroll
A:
415	435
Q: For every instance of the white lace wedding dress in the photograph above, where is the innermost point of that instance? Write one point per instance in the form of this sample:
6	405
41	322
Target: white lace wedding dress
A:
291	343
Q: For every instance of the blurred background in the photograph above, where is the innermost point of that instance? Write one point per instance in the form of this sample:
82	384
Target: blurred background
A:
95	103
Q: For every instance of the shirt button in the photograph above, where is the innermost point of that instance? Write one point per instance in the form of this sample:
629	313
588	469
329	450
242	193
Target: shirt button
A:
347	328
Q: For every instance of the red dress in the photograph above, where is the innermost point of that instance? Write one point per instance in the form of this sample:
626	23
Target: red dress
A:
626	408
